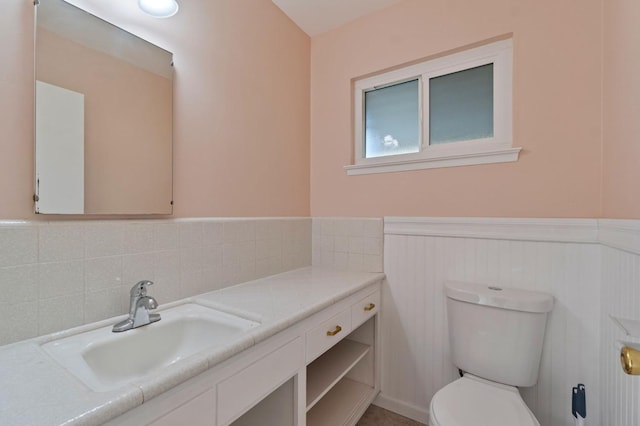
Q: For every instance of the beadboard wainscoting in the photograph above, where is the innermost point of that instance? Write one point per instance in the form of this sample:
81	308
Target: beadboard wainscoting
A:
620	297
57	275
561	257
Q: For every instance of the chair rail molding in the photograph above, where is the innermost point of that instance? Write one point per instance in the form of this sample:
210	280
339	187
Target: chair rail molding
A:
522	229
621	234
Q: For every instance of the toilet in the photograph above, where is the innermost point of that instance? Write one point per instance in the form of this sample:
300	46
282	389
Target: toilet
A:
496	336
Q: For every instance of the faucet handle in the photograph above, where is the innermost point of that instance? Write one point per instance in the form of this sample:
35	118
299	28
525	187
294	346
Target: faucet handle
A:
140	289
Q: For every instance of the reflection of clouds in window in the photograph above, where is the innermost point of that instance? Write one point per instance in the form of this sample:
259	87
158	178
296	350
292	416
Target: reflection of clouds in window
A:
390	142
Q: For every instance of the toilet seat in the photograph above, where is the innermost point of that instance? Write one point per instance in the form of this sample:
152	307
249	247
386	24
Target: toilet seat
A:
472	401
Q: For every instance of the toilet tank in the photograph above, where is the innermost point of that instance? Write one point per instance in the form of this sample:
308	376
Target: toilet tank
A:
497	333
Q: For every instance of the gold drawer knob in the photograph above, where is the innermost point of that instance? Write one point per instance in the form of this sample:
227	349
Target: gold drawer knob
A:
630	360
335	331
370	307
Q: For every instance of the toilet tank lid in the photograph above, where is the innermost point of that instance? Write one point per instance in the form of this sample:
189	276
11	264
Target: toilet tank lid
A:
500	297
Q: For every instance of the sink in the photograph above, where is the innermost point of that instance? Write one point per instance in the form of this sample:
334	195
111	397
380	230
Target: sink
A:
104	360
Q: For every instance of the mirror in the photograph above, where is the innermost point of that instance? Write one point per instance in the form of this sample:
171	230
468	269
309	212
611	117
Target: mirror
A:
103	117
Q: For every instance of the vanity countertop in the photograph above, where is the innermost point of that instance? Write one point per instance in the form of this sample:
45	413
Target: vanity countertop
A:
35	390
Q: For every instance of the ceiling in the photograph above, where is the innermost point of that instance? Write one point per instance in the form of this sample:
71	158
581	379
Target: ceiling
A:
318	16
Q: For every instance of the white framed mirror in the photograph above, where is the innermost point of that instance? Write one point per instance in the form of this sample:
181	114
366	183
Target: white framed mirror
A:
104	110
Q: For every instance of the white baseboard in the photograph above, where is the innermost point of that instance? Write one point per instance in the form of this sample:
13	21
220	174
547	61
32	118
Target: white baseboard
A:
419	414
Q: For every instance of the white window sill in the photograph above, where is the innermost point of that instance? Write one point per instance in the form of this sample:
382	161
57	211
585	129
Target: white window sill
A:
506	155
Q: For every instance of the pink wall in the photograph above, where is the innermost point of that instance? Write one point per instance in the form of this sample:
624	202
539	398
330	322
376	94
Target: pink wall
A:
16	109
557	110
241	123
128	128
242	110
621	123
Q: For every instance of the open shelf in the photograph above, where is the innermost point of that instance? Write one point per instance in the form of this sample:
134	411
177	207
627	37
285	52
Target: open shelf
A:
333	365
342	405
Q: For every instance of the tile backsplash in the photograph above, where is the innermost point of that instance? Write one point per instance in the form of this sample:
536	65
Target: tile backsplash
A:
57	275
354	244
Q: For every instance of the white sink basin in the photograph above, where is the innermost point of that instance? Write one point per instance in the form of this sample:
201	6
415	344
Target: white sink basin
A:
104	360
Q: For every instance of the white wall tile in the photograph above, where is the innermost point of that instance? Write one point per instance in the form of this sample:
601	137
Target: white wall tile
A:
327	226
18	321
269	229
104	239
167	288
326	243
239	231
340	244
372	228
105	303
341	260
139	237
60	313
212	233
103	272
137	267
211	256
191	282
60	279
267	266
166	236
18	245
372	262
268	248
190	234
18	284
348	243
355	228
372	246
60	242
191	259
356	245
212	278
87	262
247	271
356	262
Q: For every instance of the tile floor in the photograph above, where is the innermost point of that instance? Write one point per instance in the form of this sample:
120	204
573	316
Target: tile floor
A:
376	416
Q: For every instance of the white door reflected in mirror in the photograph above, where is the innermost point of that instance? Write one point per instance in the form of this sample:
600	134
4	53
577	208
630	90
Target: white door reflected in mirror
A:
59	150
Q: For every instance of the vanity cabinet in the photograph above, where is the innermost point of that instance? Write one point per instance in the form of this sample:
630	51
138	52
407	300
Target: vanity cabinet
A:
343	380
322	370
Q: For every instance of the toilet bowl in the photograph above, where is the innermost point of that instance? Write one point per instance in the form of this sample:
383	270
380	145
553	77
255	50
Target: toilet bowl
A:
474	401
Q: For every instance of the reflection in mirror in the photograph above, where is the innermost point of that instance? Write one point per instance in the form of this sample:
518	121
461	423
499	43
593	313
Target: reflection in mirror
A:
103	117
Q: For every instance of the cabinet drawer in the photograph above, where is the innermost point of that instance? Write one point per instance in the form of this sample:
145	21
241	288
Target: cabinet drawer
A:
365	309
327	334
243	390
198	411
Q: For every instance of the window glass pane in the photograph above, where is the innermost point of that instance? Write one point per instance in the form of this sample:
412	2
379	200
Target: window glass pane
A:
392	120
461	105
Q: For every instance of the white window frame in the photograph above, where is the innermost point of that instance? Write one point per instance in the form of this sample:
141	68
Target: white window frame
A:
497	149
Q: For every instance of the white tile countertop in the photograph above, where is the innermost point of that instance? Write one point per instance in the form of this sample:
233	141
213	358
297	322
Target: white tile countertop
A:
36	390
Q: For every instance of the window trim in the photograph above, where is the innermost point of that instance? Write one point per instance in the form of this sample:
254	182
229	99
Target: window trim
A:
496	149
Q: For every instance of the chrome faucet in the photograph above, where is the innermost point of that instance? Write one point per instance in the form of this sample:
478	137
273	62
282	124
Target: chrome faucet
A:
139	308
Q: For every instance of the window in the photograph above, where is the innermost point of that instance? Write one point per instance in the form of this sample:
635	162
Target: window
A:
450	111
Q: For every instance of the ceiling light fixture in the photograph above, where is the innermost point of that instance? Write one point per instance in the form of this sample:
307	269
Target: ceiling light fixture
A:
159	8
